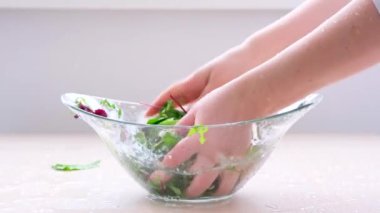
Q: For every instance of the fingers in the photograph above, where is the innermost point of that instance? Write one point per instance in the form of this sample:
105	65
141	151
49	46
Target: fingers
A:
181	152
184	91
175	90
187	120
184	149
202	181
228	180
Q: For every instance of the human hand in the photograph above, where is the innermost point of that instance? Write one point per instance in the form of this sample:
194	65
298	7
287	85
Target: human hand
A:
222	145
214	74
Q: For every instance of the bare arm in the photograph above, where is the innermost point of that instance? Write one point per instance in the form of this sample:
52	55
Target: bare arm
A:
292	27
255	50
343	45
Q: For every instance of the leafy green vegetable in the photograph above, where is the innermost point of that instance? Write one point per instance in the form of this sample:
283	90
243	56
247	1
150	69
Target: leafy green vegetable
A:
156	120
107	104
201	130
168	115
169	121
74	167
175	189
170	111
167	142
140	138
80	100
154	185
111	106
160	142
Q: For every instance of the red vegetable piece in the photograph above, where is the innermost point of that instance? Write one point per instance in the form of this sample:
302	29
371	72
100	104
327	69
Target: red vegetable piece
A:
85	108
100	112
178	103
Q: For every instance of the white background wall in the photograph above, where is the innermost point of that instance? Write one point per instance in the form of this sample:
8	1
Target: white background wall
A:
132	55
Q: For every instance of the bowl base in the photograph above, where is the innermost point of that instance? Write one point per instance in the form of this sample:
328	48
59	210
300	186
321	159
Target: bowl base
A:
201	200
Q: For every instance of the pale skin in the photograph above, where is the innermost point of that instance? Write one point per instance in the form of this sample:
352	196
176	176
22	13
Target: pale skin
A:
328	41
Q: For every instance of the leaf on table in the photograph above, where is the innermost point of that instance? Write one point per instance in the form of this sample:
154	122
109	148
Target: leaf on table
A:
75	167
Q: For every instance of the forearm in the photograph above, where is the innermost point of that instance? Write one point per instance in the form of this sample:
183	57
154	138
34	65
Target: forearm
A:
263	45
274	38
345	44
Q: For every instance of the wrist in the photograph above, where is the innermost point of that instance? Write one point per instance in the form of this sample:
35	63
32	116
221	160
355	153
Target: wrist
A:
248	99
256	95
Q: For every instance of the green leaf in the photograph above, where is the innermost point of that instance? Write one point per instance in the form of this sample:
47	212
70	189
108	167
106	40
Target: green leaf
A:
111	106
74	167
167	142
80	100
192	131
199	129
156	120
155	185
107	104
175	189
170	139
141	139
168	115
169	121
168	111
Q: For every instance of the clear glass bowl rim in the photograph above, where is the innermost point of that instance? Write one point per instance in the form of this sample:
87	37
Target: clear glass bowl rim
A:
314	98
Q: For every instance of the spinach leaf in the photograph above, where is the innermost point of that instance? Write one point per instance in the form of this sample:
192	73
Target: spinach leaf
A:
169	121
74	167
156	120
161	141
169	111
168	115
111	106
167	142
107	104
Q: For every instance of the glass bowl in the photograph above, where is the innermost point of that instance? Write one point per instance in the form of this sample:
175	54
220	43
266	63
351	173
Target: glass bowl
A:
140	147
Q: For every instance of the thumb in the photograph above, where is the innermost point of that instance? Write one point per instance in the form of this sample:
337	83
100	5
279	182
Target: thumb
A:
185	91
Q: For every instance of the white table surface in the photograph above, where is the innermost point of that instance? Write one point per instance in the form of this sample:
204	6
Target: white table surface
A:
306	173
